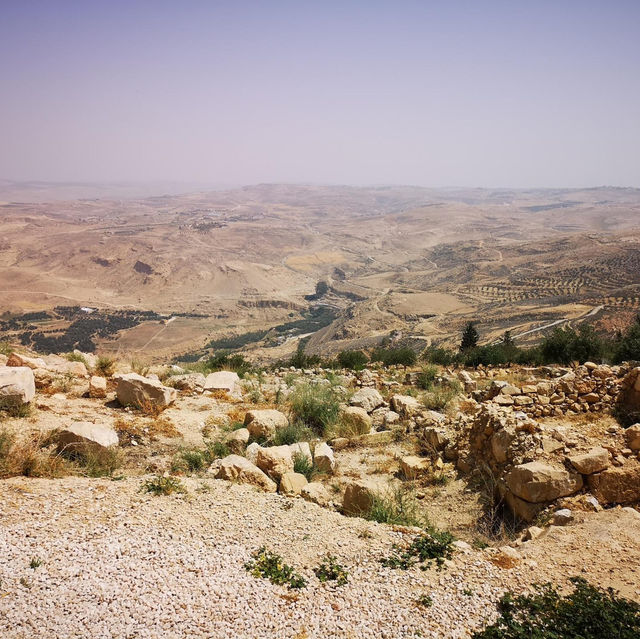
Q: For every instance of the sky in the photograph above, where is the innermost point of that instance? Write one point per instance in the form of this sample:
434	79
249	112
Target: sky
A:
433	93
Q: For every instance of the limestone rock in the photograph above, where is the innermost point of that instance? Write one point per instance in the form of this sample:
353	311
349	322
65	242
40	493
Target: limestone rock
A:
79	435
252	452
616	485
292	483
97	387
405	405
594	461
237	440
324	460
15	359
538	482
356	420
236	468
223	380
136	390
317	493
264	423
17	385
367	398
193	382
632	435
413	466
275	461
358	497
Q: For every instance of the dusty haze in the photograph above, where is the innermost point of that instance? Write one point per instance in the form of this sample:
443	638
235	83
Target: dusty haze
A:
427	93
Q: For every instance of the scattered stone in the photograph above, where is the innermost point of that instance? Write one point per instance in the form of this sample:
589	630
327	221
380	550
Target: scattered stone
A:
79	435
292	483
367	398
594	461
538	482
405	405
317	493
223	380
135	390
616	485
17	385
264	423
237	440
562	517
356	420
324	459
413	467
236	468
97	387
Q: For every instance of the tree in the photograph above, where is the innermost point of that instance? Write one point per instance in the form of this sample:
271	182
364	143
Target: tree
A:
355	360
469	337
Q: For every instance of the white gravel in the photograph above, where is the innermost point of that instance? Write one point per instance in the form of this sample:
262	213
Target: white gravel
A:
120	564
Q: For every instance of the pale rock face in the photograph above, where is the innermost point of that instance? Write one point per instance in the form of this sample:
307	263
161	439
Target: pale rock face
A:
391	418
275	461
317	493
193	382
223	380
264	423
292	483
367	398
356	419
236	468
251	453
632	435
97	387
358	497
323	458
537	482
237	440
413	467
616	485
405	405
79	435
136	390
15	359
17	385
594	461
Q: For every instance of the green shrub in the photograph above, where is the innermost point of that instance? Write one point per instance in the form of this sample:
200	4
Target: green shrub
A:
426	377
441	356
586	613
92	461
354	360
627	346
268	565
331	570
469	337
396	506
160	485
439	398
105	366
432	546
77	357
403	356
302	465
424	601
296	431
316	406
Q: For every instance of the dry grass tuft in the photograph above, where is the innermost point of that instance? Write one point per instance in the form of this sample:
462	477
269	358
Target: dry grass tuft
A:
31	456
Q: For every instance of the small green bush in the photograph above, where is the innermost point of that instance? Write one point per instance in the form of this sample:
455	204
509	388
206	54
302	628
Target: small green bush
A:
77	357
331	570
316	406
268	565
353	360
434	545
394	356
105	366
160	485
296	431
586	613
424	601
396	506
427	377
302	465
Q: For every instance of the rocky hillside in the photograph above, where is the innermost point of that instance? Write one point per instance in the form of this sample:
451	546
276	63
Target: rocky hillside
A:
146	502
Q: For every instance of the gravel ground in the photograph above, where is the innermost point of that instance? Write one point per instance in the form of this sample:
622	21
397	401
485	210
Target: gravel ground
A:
118	563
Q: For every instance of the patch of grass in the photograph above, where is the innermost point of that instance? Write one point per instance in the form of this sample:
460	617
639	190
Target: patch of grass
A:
396	506
139	367
195	460
77	357
424	601
427	377
6	348
35	562
92	461
439	398
160	485
331	570
16	411
440	479
302	465
588	612
31	456
106	366
296	431
316	406
434	545
268	565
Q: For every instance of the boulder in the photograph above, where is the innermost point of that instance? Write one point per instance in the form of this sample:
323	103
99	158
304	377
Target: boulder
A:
292	483
97	387
616	485
632	436
275	461
223	380
135	390
264	423
251	453
324	461
358	497
405	405
17	385
522	509
316	493
435	438
367	398
240	469
391	418
356	420
594	461
537	482
15	359
373	439
192	382
500	443
80	435
237	440
413	467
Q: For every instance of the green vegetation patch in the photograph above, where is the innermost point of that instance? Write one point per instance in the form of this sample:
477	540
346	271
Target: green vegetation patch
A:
268	565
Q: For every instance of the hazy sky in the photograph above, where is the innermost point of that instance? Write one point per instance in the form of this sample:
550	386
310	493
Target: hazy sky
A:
434	93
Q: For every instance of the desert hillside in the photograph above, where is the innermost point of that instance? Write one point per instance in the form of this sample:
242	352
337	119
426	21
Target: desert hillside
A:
167	275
